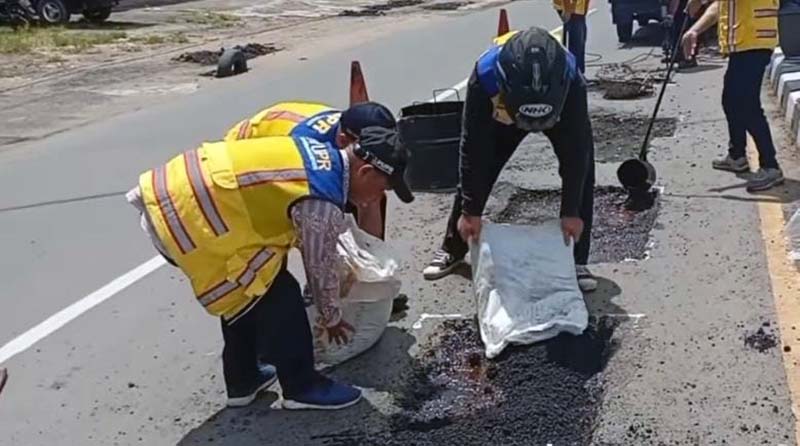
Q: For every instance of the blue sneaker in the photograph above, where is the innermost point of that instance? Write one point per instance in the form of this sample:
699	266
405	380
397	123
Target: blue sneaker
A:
237	398
325	394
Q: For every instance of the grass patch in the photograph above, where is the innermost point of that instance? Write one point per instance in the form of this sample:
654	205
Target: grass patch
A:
214	19
49	38
160	39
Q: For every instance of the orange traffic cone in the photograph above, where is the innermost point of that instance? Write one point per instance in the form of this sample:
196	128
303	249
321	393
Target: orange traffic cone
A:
502	25
358	88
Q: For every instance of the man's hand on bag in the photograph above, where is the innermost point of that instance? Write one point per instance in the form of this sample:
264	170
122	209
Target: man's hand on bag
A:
469	226
572	228
689	43
565	16
338	333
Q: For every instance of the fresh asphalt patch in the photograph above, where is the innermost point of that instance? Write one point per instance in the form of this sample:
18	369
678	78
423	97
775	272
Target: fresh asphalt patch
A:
618	233
544	393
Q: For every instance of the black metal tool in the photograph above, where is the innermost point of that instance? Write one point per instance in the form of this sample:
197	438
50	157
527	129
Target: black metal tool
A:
637	174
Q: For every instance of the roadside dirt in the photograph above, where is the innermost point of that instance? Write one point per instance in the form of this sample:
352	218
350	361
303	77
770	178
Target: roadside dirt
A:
128	62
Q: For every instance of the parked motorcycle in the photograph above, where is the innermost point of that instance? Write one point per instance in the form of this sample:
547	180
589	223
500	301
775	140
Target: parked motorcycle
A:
14	13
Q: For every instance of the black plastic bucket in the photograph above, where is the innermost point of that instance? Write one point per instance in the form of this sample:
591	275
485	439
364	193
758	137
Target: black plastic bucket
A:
789	23
432	131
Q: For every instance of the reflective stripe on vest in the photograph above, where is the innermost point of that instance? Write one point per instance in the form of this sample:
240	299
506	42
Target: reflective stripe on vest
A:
169	213
285	114
244	129
747	25
256	263
222	211
244	280
202	194
281	119
266	176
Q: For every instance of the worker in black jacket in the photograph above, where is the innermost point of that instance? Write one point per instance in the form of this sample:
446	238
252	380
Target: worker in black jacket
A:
527	82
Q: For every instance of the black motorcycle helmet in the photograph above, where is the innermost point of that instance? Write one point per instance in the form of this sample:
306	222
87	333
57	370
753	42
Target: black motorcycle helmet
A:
533	76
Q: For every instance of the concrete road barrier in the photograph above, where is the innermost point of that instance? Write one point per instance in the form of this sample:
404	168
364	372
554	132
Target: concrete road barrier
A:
784	82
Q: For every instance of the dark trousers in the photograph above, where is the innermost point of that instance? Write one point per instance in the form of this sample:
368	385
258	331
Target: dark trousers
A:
677	27
275	330
508	140
575	29
741	100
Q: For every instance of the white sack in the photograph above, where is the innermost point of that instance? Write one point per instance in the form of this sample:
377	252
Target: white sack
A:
793	234
369	284
525	284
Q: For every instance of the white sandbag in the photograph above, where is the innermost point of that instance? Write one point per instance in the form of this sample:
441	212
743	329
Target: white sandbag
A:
525	285
369	284
792	231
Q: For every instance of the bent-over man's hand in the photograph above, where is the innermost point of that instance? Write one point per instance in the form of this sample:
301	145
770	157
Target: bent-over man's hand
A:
572	228
469	227
338	333
689	43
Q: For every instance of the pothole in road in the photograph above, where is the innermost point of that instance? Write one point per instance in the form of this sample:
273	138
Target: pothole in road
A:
618	137
446	6
544	393
617	233
762	340
380	9
207	57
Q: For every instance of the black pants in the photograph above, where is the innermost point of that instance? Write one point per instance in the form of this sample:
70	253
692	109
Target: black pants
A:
677	27
741	100
275	330
509	139
575	30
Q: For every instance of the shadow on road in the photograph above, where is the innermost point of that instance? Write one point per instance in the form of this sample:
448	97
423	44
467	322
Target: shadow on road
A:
700	68
650	35
128	5
786	193
109	25
382	369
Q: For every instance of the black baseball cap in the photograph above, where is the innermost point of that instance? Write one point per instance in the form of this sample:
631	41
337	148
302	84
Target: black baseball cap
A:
366	114
533	75
381	148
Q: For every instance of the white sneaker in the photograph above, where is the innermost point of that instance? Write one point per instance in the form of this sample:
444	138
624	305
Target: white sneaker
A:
442	265
587	282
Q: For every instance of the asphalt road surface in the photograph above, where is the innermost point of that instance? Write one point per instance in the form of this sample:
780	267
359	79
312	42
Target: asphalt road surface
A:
142	366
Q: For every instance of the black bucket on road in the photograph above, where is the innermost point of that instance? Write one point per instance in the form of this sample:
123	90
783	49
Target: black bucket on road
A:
431	131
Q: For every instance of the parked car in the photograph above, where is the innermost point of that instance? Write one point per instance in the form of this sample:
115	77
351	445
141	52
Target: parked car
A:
625	12
59	11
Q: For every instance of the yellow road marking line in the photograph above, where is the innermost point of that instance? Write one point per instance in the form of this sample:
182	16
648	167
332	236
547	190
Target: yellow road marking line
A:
783	278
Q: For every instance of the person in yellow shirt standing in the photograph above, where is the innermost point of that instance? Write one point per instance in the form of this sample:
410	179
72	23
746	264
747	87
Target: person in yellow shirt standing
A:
325	124
573	15
748	34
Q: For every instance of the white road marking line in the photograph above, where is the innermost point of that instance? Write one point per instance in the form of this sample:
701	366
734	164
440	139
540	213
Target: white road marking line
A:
58	320
63	317
422	317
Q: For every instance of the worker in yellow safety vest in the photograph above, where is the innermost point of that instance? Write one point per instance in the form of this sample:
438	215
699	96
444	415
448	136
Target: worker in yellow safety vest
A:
227	214
748	34
573	15
327	124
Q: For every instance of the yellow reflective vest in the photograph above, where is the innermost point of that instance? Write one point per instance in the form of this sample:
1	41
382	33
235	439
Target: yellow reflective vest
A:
308	119
222	211
747	25
581	6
